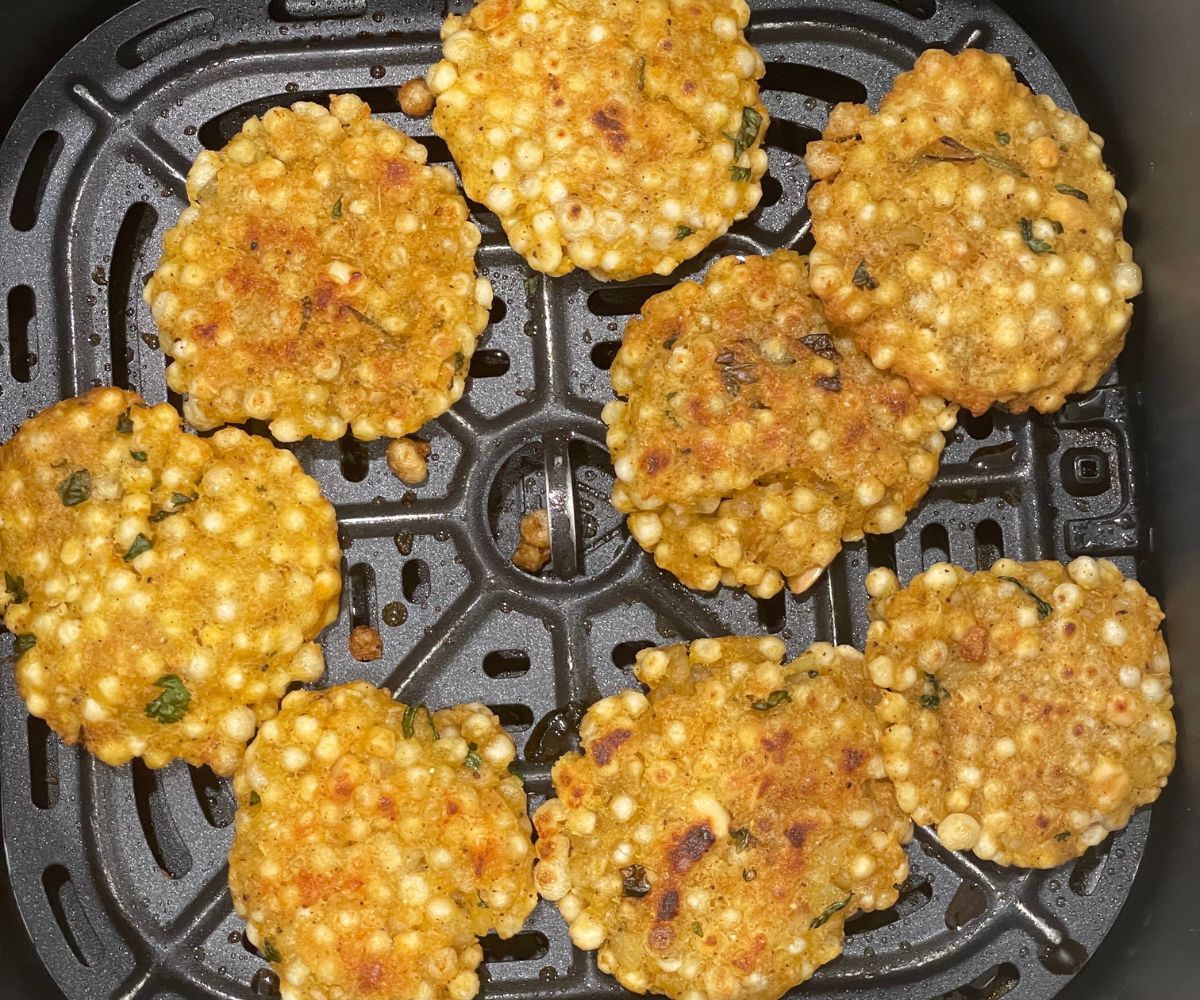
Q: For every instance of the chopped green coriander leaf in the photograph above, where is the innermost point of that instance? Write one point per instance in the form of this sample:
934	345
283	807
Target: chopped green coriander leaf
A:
269	952
255	798
751	123
337	209
862	278
773	699
24	643
634	882
138	456
1065	835
749	874
683	232
933	699
1031	241
76	488
140	544
171	705
409	717
179	499
739	173
697	929
15	585
124	424
829	911
1003	138
472	761
1074	192
1043	609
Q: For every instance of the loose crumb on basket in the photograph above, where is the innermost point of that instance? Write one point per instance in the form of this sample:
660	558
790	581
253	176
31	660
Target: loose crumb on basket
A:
406	458
365	643
416	99
533	550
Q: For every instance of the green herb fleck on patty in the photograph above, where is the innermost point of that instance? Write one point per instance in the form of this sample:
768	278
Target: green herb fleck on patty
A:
172	704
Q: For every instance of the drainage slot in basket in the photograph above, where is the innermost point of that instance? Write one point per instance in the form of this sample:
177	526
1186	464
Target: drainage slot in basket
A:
624	654
813	81
989	544
772	612
604	353
290	11
996	982
881	552
523	947
31	188
772	191
43	763
216	798
22	332
935	545
968	903
164	37
514	718
435	148
621	301
915	893
355	460
123	287
158	826
1086	872
498	311
924	9
414	581
362	595
71	917
979	427
790	137
501	663
489	364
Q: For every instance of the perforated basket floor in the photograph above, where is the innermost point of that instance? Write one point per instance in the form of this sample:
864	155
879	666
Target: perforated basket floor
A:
120	873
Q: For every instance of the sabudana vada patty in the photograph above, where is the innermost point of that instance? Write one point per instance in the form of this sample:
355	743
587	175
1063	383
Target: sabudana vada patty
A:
321	276
1028	707
717	832
375	842
749	440
164	589
968	235
621	138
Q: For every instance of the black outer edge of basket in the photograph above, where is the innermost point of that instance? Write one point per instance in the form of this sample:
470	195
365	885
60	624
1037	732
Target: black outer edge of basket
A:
524	438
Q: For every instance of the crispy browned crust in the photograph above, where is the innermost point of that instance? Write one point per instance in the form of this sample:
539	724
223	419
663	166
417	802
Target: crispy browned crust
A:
715	834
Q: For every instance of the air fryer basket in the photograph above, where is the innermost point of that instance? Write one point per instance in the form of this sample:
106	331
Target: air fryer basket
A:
119	874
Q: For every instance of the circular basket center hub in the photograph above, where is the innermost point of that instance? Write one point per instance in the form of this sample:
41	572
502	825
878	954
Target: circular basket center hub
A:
570	477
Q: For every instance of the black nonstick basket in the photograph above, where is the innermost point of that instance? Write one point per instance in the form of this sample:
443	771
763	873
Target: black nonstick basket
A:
113	881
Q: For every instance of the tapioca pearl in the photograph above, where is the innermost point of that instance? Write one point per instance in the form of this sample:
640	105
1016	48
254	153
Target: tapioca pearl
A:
1113	633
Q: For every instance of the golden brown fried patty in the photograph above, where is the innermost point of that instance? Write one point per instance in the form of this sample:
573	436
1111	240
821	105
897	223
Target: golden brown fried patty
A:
621	137
716	833
969	237
321	276
375	842
164	589
1028	707
753	440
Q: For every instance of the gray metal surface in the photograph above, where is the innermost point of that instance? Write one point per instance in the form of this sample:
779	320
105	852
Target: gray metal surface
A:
119	874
